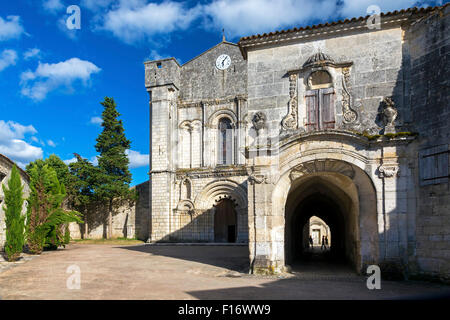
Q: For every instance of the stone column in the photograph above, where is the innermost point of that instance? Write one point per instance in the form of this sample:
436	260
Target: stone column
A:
393	246
266	229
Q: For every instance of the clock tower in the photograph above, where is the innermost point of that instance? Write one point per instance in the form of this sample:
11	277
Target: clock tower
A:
196	112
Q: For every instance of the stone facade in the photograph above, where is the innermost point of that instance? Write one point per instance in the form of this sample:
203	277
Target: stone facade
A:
5	174
342	119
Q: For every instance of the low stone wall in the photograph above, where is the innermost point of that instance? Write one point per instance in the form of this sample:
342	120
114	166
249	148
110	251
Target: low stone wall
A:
130	220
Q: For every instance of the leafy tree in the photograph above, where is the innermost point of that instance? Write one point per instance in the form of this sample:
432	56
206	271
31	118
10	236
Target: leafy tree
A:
114	176
45	216
14	219
62	170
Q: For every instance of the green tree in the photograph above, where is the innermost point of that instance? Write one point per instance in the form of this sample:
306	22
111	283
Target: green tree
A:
14	219
114	176
84	177
45	215
62	170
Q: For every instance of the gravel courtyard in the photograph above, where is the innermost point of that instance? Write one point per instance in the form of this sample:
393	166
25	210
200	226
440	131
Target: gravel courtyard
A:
185	272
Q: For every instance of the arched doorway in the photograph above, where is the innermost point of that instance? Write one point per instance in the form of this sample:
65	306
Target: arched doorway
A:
225	221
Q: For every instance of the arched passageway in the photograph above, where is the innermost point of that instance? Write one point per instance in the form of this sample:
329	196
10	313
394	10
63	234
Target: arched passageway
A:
330	197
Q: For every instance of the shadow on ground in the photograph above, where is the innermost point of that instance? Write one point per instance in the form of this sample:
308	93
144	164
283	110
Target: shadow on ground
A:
235	258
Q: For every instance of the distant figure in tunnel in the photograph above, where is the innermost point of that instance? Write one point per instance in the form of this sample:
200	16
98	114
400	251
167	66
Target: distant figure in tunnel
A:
310	241
326	242
323	243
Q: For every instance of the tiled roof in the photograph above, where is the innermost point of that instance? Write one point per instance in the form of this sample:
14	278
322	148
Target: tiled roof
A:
414	10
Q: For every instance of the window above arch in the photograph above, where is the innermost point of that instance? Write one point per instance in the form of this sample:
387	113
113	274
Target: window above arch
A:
319	80
225	141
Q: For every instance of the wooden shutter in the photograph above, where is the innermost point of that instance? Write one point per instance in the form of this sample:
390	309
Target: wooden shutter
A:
327	108
312	110
433	165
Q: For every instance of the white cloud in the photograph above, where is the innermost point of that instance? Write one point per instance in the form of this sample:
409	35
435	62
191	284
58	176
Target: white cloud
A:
137	159
94	160
240	18
51	143
69	161
135	20
32	53
48	77
358	8
10	28
95	5
154	55
13	146
52	6
96	120
7	58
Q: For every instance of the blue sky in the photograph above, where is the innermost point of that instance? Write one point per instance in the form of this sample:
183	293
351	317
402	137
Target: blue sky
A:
52	79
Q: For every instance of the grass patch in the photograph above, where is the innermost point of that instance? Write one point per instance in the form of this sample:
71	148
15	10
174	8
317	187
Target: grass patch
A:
117	241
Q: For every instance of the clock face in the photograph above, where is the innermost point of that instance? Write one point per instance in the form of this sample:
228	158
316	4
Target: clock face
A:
223	62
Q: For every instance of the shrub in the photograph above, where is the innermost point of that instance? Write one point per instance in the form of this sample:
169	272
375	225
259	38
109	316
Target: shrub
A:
46	217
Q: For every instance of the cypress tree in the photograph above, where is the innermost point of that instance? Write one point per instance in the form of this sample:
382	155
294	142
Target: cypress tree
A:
14	219
114	176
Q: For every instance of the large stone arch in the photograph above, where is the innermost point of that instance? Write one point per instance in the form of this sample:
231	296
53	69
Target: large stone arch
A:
347	175
225	189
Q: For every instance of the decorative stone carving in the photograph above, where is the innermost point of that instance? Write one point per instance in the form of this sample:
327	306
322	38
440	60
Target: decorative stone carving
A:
388	171
315	166
185	205
199	174
349	115
389	115
257	179
290	122
259	121
318	58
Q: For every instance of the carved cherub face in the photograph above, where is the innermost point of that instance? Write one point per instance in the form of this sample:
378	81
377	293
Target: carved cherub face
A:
259	120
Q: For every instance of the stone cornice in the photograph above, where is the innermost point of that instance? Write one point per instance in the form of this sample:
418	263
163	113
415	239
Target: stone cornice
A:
286	140
211	172
201	103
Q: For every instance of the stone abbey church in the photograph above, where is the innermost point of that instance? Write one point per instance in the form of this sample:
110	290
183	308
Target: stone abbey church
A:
340	129
341	121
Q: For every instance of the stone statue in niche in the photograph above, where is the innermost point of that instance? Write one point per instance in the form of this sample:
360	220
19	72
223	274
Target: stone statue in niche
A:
389	115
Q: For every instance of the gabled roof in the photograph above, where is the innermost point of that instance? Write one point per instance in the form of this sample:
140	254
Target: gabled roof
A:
289	34
210	49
